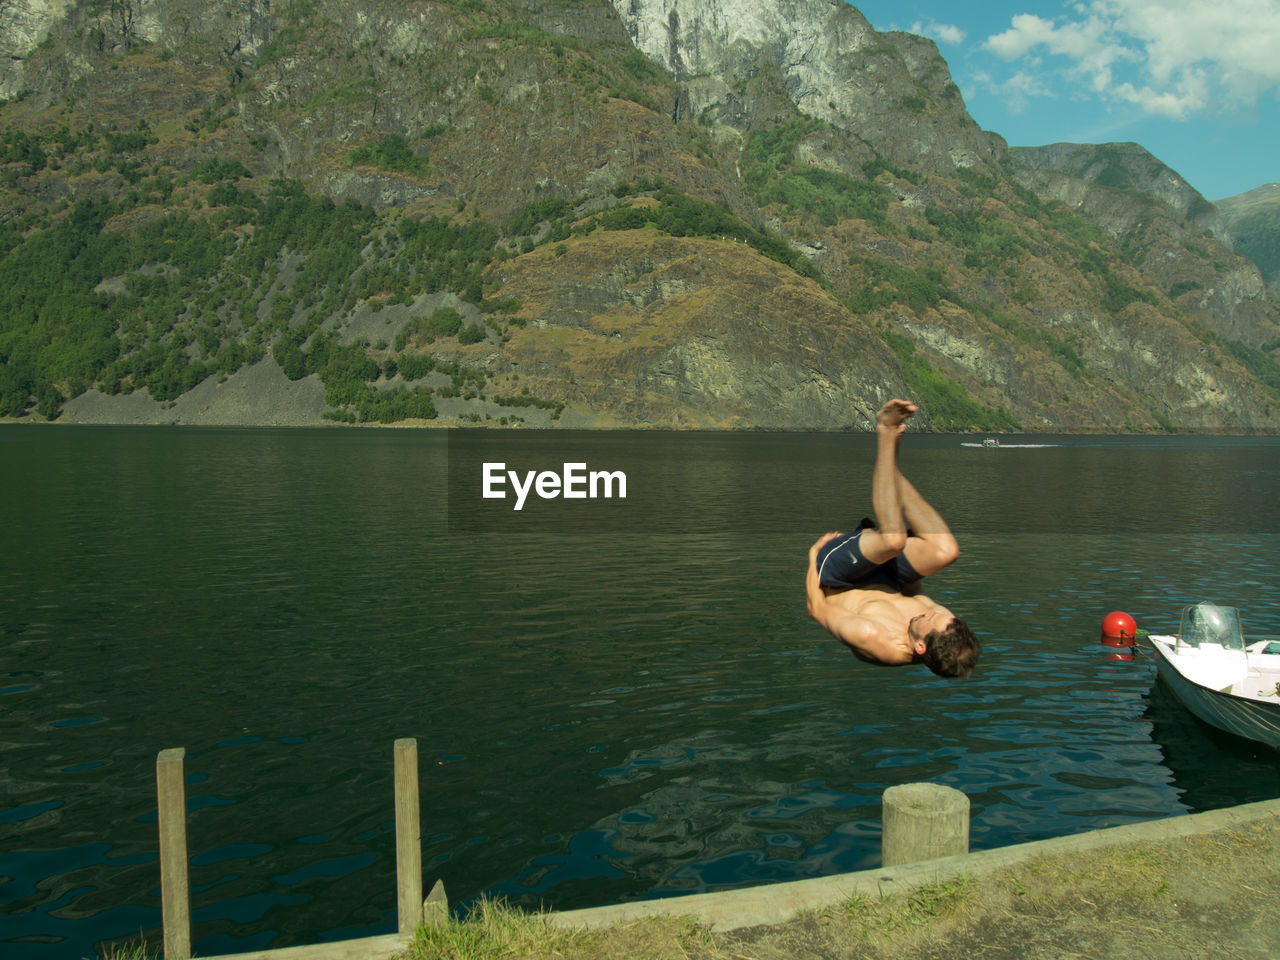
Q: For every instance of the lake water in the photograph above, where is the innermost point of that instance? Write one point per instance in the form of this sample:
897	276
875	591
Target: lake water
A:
613	698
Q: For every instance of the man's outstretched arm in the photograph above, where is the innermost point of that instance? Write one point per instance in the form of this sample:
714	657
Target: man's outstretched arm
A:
815	599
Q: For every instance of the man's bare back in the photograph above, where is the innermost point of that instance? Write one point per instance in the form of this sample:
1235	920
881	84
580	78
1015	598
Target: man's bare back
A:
869	596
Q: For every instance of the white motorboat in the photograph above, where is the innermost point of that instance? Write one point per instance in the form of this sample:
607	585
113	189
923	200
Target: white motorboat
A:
1225	682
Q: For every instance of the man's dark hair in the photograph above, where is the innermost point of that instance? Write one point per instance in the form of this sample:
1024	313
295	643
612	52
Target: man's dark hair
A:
951	652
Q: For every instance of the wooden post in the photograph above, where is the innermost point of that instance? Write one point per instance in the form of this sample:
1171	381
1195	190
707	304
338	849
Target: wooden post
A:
435	909
175	892
408	837
923	821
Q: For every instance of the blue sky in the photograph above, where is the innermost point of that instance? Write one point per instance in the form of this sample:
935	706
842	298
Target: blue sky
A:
1196	82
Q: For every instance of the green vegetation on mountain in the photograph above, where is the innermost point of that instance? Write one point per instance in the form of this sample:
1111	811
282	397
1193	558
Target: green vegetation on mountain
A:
181	297
458	210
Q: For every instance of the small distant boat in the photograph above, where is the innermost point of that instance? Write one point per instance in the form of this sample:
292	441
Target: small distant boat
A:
994	443
1225	682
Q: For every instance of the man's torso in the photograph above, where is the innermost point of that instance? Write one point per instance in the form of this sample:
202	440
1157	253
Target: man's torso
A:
890	608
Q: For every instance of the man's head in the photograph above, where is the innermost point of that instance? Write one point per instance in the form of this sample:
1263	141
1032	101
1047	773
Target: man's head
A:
952	650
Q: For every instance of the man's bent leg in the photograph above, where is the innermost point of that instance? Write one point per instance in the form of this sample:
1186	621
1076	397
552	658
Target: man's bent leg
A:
931	545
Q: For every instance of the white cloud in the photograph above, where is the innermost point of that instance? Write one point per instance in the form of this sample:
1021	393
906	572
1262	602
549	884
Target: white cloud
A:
1017	91
1027	32
942	32
1172	58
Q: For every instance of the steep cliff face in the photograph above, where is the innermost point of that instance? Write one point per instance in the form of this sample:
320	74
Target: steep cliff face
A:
708	214
235	34
24	25
893	91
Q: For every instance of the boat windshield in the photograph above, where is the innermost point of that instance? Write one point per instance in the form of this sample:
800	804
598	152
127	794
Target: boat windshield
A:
1209	625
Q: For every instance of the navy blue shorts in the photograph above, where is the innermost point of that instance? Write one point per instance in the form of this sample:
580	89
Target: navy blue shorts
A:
841	565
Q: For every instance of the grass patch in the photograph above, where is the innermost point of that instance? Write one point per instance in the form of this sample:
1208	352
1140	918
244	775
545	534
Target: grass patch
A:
497	931
871	919
133	949
1134	875
494	930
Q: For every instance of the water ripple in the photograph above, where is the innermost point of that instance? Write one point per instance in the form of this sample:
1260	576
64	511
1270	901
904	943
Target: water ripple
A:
599	718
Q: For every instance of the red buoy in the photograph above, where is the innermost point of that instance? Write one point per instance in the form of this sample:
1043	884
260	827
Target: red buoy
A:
1118	629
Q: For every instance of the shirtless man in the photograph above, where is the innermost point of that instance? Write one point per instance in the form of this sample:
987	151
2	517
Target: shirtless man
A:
864	586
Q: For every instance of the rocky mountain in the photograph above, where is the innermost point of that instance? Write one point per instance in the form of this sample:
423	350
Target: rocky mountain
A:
583	213
1146	207
1253	221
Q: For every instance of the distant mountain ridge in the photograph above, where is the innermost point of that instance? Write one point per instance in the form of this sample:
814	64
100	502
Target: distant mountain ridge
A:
1123	167
1253	220
542	212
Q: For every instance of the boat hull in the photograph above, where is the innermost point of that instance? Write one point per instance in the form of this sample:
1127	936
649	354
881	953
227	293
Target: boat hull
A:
1239	716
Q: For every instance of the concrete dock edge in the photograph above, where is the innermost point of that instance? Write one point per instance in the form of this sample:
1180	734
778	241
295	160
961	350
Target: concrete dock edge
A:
779	902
